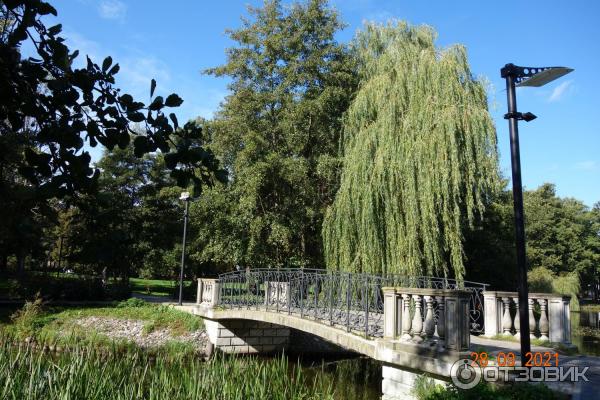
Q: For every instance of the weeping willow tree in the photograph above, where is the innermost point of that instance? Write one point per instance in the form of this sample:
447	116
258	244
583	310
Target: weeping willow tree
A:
419	157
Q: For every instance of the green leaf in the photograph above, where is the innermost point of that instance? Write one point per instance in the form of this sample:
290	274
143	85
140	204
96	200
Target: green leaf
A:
126	99
173	100
136	116
182	177
156	104
106	63
140	145
152	87
55	30
45	9
114	70
171	160
174	120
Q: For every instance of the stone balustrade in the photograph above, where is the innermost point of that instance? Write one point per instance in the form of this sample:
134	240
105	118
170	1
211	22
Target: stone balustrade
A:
208	292
549	316
427	316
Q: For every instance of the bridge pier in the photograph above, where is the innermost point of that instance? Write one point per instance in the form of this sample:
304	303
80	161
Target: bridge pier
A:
246	336
399	383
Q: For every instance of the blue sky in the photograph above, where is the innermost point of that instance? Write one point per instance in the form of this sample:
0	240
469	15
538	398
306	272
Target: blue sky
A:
174	41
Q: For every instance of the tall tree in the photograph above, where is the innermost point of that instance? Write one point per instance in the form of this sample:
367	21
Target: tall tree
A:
419	157
562	233
278	134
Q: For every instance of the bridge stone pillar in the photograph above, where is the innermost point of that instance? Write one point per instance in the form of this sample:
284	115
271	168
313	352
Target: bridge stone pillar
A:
246	336
399	383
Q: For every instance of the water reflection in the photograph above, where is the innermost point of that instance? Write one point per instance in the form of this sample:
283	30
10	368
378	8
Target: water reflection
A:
585	332
589	318
352	379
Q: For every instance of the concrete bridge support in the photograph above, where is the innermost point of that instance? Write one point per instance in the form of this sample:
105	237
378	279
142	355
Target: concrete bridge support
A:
399	383
246	336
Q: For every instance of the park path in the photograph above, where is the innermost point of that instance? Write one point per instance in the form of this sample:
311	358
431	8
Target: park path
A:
580	391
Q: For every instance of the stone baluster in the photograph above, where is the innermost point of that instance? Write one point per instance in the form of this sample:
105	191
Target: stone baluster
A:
417	322
532	323
543	320
506	317
199	292
390	313
429	325
517	317
406	321
441	322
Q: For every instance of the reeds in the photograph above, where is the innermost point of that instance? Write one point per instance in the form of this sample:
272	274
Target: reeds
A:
85	373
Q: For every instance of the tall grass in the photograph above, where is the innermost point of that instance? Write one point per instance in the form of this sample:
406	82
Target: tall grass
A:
85	373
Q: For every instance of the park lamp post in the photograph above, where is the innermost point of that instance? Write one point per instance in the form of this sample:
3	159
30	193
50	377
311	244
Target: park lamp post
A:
522	76
185	196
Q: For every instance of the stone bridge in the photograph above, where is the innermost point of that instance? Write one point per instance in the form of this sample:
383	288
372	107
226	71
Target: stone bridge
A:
414	326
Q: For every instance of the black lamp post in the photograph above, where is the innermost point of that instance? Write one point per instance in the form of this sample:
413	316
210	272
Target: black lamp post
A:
522	76
185	196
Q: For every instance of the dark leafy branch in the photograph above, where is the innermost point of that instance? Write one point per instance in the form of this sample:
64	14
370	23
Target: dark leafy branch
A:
60	108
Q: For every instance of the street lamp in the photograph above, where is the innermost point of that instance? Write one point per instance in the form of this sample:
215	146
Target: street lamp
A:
185	196
522	76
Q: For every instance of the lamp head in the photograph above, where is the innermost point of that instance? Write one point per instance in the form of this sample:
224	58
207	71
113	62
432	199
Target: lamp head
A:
185	196
545	76
533	76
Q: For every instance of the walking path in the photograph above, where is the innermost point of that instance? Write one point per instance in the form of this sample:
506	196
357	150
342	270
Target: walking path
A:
580	390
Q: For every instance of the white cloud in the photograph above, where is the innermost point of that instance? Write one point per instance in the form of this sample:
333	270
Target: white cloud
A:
588	165
112	9
86	47
560	91
137	72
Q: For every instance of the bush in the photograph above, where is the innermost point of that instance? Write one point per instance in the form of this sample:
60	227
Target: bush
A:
25	321
132	303
69	288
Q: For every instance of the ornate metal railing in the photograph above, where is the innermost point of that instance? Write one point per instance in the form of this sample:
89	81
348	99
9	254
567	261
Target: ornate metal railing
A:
353	301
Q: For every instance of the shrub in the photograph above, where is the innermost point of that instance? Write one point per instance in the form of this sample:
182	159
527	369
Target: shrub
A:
132	303
25	321
69	288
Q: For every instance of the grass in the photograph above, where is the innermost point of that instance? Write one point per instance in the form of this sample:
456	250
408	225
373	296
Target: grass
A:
87	374
154	287
57	325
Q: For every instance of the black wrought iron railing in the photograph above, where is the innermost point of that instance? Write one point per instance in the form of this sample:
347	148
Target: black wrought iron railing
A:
353	301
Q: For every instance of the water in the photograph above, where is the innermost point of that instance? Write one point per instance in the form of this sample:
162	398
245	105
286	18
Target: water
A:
352	379
588	338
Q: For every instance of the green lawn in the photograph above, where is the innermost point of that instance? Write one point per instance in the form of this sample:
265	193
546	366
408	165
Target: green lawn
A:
154	287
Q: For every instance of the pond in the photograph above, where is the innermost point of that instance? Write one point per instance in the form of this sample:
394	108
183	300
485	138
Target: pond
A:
585	332
352	379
